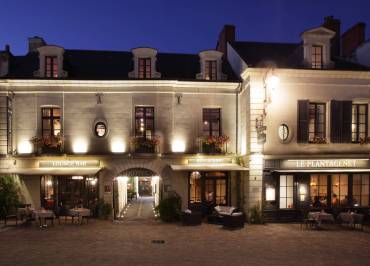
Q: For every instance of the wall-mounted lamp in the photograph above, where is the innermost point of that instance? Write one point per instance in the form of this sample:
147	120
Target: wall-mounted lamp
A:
178	97
99	98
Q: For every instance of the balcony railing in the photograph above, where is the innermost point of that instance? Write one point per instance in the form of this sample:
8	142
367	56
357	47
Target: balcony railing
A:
145	145
212	144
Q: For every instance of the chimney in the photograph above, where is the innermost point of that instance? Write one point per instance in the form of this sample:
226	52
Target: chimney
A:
352	39
226	35
34	43
7	48
333	24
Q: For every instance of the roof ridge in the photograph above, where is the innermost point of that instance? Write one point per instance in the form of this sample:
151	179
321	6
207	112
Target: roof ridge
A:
261	42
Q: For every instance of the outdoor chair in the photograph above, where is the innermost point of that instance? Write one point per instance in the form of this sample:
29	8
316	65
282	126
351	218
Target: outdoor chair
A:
305	220
11	215
219	213
234	221
191	217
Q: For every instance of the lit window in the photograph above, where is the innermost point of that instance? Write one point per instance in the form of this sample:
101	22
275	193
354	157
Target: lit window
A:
339	196
316	125
286	192
51	67
100	129
359	123
51	121
144	122
145	68
361	190
195	187
212	122
211	70
283	132
316	57
319	191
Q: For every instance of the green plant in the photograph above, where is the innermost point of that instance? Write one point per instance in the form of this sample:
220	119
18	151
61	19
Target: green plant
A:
103	209
9	195
170	209
256	215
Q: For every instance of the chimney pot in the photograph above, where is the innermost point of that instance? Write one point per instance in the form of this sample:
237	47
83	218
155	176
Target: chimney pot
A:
34	43
352	39
333	24
226	35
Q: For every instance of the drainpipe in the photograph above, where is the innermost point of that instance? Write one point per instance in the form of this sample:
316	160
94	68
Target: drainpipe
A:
237	115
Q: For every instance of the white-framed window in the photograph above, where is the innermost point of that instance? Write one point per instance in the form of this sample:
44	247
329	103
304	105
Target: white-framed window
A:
286	192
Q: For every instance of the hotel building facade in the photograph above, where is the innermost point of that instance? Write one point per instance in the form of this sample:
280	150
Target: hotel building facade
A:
283	126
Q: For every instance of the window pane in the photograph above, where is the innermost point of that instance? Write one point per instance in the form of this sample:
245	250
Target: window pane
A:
282	203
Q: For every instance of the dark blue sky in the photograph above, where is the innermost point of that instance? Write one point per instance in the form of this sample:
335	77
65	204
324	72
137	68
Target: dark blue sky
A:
169	25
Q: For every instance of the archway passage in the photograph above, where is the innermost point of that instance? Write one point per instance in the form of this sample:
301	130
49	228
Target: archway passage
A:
136	193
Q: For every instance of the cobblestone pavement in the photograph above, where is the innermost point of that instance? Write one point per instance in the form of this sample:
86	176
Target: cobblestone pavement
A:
122	243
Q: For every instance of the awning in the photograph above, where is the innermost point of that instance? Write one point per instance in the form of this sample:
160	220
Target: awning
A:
315	170
208	167
51	171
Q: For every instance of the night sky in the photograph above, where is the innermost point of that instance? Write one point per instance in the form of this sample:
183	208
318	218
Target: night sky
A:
169	25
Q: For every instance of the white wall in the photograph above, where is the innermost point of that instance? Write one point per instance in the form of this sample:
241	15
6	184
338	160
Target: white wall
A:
294	87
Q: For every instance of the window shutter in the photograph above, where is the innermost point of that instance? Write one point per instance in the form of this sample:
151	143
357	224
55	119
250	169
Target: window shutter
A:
346	121
336	121
302	125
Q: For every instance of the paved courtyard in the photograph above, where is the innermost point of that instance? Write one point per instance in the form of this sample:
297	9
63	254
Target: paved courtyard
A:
130	243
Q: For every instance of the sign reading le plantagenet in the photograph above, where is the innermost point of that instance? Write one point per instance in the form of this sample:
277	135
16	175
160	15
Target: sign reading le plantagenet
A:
69	163
325	163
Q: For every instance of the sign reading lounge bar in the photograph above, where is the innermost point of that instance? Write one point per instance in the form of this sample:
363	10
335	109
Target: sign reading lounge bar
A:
69	164
324	163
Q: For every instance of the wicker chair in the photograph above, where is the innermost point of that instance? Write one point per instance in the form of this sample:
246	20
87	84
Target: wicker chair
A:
191	218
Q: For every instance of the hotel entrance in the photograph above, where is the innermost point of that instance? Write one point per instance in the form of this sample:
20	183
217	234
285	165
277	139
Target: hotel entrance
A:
136	193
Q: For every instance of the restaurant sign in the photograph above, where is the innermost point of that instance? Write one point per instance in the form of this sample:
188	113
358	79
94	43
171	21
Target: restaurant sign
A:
69	163
324	163
209	160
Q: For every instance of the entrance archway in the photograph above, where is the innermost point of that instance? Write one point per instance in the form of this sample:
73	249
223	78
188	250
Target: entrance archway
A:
136	187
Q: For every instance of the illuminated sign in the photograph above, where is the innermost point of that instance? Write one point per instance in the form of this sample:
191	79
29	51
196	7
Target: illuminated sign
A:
69	164
325	163
209	160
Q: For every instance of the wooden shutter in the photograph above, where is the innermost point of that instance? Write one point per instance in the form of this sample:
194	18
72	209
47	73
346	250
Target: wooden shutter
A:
341	121
302	125
336	121
347	121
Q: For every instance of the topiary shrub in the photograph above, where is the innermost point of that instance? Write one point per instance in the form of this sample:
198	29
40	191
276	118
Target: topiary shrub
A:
103	209
9	195
256	215
170	209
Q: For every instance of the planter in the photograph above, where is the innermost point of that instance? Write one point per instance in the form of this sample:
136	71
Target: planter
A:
145	149
211	148
49	150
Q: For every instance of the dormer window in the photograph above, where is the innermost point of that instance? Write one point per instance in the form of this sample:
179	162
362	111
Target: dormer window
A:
317	56
316	48
51	62
145	68
210	70
145	62
211	66
51	67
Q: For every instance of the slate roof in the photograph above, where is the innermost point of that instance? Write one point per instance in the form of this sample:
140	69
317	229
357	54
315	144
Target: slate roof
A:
113	65
282	55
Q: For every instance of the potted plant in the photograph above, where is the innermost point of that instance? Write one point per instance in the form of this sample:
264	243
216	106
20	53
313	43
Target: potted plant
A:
48	144
145	145
9	195
214	144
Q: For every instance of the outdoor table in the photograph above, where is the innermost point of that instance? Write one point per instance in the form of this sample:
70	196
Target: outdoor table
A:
321	217
40	216
351	218
79	213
